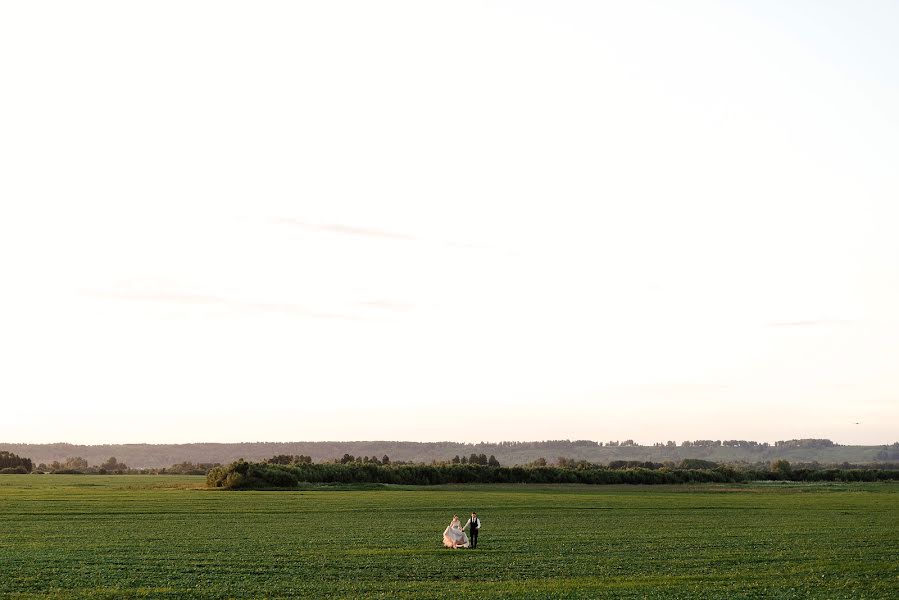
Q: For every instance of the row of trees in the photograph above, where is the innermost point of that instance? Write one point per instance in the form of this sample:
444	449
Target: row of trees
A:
616	465
183	468
13	463
287	459
805	443
112	466
719	443
508	453
368	460
76	464
556	443
802	443
242	474
475	459
667	444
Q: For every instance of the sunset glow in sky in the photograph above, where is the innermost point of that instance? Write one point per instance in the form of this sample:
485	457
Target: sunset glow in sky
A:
449	221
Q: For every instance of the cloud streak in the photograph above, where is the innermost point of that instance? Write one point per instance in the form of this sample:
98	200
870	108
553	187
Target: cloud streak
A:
345	229
231	303
389	305
808	323
371	232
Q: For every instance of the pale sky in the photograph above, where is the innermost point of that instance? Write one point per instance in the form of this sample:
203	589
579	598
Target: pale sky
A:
233	221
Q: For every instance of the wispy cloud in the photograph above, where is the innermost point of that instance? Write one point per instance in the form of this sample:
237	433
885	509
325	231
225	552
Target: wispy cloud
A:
808	323
231	303
391	305
371	232
345	229
466	246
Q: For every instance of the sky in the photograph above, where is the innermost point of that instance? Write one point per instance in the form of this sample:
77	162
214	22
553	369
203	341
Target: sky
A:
466	221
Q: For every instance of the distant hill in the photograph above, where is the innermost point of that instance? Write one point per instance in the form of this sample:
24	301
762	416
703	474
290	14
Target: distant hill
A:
508	453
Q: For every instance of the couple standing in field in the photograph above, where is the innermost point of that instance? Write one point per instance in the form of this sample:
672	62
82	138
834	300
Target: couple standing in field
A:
454	535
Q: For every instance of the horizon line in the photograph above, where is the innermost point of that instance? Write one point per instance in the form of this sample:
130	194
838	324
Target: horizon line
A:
376	441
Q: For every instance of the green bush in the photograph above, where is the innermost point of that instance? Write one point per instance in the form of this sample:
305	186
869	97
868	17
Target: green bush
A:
13	471
697	463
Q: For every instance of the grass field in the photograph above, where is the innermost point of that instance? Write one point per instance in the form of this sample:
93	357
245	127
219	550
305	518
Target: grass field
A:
131	536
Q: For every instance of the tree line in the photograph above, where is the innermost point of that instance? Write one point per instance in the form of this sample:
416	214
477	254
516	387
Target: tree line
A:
476	459
507	452
811	450
242	474
13	463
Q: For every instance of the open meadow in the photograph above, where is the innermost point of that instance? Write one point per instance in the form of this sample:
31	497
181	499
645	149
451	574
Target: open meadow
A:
71	536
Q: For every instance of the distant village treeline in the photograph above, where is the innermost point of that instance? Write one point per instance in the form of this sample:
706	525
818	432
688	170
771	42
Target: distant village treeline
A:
158	456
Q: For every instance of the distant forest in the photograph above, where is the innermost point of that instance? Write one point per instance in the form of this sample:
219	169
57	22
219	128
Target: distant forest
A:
144	456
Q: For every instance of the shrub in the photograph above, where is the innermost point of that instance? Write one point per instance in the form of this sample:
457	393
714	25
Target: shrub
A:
696	463
782	468
13	470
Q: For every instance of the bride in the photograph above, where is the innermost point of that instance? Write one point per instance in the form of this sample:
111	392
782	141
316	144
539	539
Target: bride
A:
453	536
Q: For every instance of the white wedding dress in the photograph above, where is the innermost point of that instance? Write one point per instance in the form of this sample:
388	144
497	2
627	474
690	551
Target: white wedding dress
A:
454	537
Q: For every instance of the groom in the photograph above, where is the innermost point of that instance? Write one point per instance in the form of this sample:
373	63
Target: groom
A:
475	524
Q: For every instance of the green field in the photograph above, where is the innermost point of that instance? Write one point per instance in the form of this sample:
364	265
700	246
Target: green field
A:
71	536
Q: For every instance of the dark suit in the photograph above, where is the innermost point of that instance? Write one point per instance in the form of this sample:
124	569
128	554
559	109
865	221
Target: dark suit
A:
474	526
